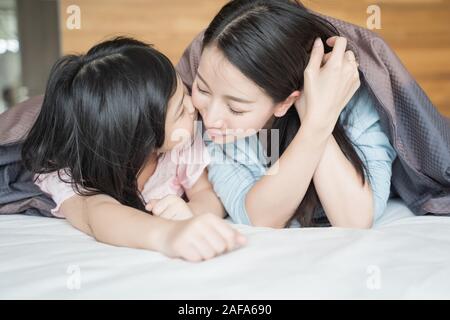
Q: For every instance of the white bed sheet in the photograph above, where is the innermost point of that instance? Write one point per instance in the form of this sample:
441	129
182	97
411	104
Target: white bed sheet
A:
404	256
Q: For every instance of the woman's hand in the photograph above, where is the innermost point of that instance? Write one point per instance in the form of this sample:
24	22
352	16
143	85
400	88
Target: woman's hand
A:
328	87
200	238
170	207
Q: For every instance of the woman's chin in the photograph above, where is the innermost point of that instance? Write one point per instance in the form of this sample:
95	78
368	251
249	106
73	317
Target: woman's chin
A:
224	139
220	139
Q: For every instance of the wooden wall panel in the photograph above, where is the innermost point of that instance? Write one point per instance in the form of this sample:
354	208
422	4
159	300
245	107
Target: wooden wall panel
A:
418	30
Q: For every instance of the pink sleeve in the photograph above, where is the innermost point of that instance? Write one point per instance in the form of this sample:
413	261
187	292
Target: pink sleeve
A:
192	162
57	189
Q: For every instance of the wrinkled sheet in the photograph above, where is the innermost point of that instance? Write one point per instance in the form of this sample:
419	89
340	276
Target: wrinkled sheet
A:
403	256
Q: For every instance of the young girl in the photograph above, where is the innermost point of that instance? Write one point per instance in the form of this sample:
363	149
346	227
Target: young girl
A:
113	143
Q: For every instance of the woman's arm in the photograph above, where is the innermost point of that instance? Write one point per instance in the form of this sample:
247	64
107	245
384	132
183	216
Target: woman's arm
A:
203	199
274	198
346	202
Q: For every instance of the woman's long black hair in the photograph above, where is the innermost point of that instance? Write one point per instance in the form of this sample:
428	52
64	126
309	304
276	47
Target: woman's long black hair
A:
270	42
102	117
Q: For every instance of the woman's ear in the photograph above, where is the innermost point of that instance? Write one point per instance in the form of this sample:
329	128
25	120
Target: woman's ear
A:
282	107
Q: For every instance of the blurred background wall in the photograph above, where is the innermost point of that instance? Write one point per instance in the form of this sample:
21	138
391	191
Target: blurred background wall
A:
10	66
418	30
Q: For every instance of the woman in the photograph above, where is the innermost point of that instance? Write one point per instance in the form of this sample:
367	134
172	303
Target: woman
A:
253	73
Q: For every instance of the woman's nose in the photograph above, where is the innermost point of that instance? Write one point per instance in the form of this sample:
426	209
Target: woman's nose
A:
213	117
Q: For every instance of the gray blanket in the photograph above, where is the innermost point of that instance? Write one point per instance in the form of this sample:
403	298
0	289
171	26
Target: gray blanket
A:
417	131
18	193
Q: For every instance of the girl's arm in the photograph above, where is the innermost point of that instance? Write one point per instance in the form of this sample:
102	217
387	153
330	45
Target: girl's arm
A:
108	221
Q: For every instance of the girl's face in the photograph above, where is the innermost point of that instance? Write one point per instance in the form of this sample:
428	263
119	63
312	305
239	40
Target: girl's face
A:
181	114
231	105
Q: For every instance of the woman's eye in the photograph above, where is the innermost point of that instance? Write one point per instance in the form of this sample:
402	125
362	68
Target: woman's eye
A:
239	113
202	91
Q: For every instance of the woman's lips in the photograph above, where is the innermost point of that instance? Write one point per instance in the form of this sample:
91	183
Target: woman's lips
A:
214	133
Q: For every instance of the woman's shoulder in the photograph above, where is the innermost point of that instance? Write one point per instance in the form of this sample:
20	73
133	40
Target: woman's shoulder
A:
360	113
361	122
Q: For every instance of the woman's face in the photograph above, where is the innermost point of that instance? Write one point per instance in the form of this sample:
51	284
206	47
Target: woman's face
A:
231	105
181	114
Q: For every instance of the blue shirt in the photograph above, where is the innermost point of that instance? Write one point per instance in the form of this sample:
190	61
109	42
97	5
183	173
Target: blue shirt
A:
236	167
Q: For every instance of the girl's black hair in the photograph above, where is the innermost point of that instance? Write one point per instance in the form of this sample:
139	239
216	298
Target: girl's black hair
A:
102	117
270	42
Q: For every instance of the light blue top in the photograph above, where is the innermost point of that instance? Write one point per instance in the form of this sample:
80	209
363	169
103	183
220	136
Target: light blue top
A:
236	167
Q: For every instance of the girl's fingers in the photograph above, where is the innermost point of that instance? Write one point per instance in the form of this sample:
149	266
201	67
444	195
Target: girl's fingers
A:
203	247
167	215
227	233
191	254
233	237
149	206
160	205
210	240
215	239
241	239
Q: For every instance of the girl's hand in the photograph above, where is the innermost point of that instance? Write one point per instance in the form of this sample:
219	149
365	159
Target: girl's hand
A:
327	88
170	207
200	238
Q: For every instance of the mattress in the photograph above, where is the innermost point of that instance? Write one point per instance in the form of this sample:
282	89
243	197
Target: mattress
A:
403	256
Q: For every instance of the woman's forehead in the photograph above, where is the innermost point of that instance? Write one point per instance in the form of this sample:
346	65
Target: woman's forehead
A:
217	71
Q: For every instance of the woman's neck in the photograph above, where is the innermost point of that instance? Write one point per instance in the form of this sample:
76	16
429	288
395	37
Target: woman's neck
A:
269	123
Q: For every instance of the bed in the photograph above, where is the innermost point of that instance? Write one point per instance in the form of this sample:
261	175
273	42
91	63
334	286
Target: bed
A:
403	256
